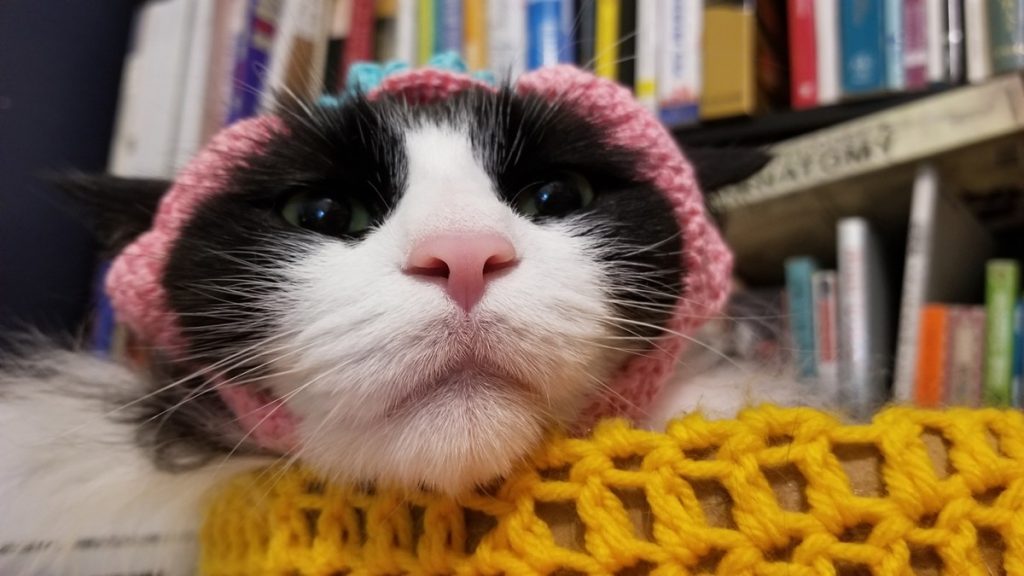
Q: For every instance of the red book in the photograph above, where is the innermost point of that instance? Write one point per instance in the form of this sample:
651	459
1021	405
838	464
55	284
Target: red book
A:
915	43
803	58
930	386
359	47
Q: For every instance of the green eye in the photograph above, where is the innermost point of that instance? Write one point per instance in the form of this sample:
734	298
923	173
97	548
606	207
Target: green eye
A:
338	217
555	198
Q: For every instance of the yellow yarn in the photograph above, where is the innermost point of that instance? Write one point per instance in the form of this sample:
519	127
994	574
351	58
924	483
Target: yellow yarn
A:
287	522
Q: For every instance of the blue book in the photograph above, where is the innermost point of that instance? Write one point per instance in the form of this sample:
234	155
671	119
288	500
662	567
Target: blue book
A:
547	40
447	26
799	292
101	338
894	66
1017	392
862	35
252	58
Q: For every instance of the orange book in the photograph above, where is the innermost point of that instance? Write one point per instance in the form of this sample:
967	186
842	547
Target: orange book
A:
474	36
930	383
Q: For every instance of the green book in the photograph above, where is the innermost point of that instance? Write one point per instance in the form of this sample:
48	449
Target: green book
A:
1006	33
1002	285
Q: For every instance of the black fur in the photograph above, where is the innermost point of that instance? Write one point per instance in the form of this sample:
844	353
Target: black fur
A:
118	209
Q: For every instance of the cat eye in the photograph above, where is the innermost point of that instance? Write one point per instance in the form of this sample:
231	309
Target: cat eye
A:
558	197
328	215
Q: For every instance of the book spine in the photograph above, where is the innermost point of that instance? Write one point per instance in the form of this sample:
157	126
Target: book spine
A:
425	30
935	23
803	54
731	60
862	317
475	34
253	55
979	51
800	289
915	279
606	46
826	342
1001	290
679	61
645	87
625	70
1004	34
966	349
929	388
894	45
826	21
104	324
545	41
1018	359
585	32
863	46
359	47
506	34
194	87
915	49
447	26
956	63
405	32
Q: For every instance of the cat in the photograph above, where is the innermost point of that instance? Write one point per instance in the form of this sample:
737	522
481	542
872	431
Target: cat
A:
388	291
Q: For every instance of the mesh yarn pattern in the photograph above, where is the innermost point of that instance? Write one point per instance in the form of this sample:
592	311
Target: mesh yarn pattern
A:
289	522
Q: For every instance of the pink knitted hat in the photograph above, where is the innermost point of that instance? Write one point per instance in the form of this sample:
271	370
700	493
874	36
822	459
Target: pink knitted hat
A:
137	293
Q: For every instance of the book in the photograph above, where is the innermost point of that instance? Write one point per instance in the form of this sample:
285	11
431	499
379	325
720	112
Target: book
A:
945	255
474	35
193	95
936	38
645	85
729	86
800	291
506	36
448	26
966	349
894	45
425	30
1017	394
977	44
866	166
680	72
153	79
930	375
826	24
803	54
545	39
864	339
339	29
585	30
863	40
606	42
298	57
826	336
229	17
956	58
1002	289
915	44
1006	35
406	19
625	70
360	44
252	54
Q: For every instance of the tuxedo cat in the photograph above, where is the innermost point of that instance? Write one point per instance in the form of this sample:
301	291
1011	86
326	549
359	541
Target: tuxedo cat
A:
406	289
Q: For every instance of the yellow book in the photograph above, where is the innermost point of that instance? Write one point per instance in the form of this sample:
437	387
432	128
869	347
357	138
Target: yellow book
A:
386	8
474	37
730	83
426	31
606	45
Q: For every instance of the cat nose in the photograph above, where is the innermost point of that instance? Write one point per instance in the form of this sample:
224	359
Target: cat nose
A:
466	261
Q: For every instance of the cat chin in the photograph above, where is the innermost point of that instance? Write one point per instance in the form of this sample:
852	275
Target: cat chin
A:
452	438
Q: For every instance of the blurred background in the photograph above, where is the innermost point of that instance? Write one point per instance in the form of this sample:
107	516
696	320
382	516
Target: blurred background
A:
879	247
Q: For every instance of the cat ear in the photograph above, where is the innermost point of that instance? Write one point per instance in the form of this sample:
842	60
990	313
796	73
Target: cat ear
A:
720	167
117	209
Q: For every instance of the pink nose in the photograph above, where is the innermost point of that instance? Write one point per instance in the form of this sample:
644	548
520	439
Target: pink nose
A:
466	261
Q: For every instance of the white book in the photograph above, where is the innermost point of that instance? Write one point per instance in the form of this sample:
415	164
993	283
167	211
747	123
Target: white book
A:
149	113
946	253
826	24
679	60
296	61
506	37
979	51
194	92
935	30
864	340
405	32
646	53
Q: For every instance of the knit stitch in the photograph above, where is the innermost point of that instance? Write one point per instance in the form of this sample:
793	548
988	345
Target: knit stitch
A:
951	515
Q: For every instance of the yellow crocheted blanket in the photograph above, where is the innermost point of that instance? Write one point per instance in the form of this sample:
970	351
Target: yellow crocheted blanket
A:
775	492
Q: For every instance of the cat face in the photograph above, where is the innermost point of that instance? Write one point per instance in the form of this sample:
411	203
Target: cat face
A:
424	290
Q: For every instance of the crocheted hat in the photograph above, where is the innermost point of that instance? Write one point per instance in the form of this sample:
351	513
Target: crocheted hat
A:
137	293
